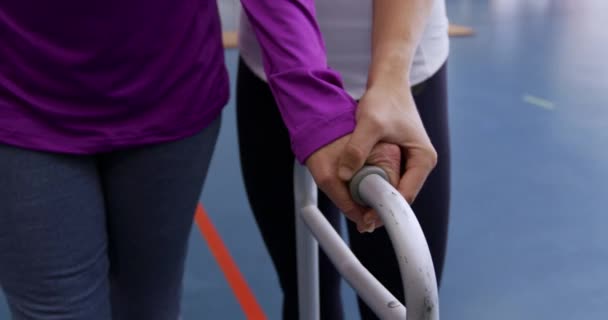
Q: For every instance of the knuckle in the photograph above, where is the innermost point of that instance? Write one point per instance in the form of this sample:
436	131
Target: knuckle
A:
323	178
355	154
433	158
324	181
430	158
387	161
387	148
374	121
392	151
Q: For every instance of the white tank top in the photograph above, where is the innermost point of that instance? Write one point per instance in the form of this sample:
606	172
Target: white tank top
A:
346	26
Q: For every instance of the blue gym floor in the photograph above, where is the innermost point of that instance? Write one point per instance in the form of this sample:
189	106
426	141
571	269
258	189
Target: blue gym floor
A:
529	120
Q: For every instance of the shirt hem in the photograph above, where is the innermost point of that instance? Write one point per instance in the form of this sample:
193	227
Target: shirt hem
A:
88	146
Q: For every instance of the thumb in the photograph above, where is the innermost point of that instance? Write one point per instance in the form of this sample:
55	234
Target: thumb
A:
356	151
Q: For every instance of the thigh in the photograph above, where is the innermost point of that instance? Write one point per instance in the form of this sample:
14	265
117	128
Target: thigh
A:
431	206
267	168
53	262
151	195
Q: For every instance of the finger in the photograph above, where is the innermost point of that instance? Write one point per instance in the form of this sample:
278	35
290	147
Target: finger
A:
366	228
412	181
339	194
371	222
356	151
388	157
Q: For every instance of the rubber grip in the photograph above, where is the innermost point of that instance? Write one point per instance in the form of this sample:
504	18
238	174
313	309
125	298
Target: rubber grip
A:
359	176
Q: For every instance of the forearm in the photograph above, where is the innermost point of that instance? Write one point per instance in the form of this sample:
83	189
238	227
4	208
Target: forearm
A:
398	26
287	32
310	96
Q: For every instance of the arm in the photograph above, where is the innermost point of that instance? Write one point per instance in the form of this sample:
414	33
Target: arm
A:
310	96
397	28
319	114
387	112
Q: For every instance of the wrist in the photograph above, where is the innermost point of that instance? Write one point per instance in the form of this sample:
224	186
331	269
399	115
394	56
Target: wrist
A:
390	68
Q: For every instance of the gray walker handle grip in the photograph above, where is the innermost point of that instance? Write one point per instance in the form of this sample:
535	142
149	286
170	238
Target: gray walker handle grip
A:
369	186
355	182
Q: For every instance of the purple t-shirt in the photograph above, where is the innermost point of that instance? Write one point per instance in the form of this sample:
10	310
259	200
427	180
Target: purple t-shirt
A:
91	76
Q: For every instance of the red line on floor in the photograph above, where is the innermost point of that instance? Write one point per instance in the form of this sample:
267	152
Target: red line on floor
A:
235	279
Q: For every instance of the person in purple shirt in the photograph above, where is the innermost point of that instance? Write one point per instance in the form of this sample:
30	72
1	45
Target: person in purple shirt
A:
109	113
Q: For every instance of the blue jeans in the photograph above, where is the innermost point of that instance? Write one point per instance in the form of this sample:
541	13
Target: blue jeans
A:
99	237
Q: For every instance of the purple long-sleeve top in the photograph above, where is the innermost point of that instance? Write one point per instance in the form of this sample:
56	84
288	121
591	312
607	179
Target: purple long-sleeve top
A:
84	77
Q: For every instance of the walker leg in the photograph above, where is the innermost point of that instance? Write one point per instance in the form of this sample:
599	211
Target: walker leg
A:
307	249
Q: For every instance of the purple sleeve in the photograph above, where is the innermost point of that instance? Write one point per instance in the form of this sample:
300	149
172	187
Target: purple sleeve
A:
313	104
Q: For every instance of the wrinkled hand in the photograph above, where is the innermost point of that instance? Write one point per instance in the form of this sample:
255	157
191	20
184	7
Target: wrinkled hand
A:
323	166
389	131
390	115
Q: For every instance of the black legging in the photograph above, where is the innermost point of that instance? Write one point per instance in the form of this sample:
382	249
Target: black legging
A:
267	165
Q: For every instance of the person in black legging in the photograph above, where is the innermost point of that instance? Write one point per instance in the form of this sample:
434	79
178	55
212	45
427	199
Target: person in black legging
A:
264	146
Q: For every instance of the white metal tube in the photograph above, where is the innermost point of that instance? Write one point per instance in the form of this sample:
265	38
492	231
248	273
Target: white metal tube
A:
376	296
408	240
411	248
305	192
